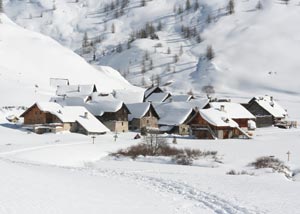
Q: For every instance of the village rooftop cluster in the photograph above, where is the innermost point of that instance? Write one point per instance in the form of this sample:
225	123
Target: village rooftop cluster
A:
83	109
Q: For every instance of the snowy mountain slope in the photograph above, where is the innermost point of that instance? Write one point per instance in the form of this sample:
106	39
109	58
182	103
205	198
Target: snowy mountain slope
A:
29	60
255	49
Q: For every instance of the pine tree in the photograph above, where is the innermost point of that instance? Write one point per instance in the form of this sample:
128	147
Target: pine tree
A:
119	48
196	5
230	7
169	50
1	7
210	52
199	39
151	64
113	28
85	40
187	5
143	3
259	5
181	50
286	1
176	58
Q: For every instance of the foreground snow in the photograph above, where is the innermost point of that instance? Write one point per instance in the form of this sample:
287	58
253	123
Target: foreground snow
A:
66	173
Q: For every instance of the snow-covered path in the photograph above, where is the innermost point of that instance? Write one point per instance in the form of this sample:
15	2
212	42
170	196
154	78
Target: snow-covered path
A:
178	197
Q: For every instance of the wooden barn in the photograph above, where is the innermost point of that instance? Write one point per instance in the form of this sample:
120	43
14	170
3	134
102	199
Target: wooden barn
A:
266	110
112	113
142	115
235	111
215	124
52	117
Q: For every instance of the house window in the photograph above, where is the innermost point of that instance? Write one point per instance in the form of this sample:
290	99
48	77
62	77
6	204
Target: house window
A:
148	122
122	123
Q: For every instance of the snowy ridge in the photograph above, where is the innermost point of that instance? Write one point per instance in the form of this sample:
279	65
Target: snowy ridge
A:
252	54
29	60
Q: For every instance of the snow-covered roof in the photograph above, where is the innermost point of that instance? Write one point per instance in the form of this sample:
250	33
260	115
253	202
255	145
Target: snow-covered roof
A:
217	118
180	98
149	91
104	104
70	101
129	96
173	113
271	106
158	97
91	123
71	114
234	110
75	90
138	110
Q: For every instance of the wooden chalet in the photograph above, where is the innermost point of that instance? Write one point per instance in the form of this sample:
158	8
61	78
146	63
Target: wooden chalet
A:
52	117
142	115
266	110
112	113
214	124
236	112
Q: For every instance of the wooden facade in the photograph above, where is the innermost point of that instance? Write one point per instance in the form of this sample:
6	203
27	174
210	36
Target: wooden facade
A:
42	121
116	121
201	129
263	117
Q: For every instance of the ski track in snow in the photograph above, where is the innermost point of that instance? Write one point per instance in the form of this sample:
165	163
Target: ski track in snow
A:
199	199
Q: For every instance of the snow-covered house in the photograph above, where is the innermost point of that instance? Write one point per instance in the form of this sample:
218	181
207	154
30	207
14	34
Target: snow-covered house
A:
158	97
151	90
266	110
142	115
214	124
174	117
235	111
52	117
111	112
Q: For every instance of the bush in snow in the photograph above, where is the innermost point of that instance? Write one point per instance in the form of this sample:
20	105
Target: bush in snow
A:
183	159
273	163
154	146
243	172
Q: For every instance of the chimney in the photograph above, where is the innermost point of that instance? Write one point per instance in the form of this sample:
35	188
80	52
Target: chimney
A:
85	115
222	108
